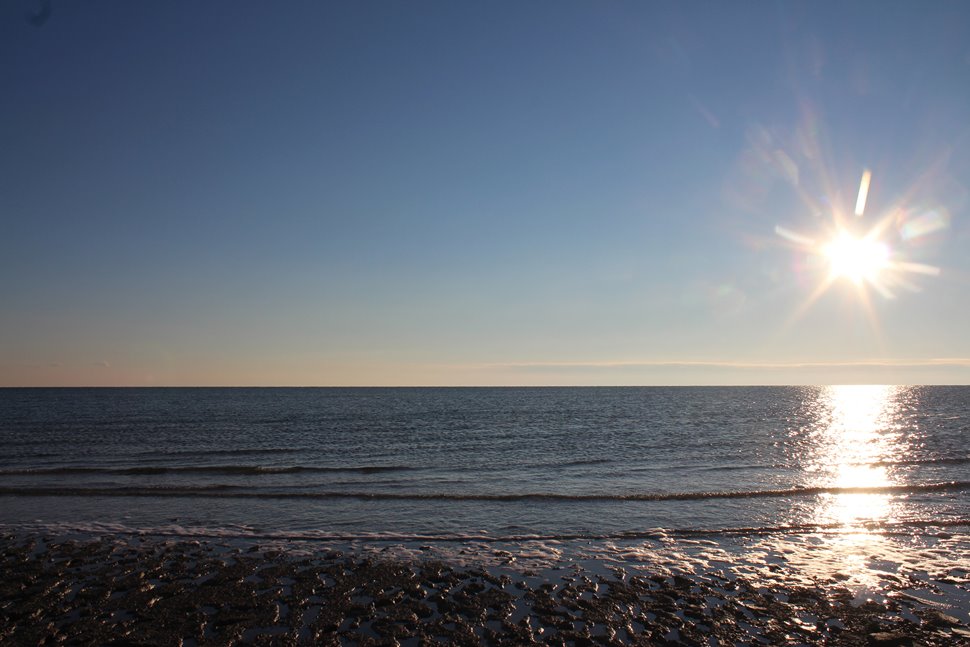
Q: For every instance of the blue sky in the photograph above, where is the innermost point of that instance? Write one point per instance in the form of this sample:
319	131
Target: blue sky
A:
385	193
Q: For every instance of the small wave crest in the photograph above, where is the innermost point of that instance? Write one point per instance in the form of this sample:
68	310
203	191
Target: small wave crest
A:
243	451
579	462
231	491
246	470
887	528
936	460
939	460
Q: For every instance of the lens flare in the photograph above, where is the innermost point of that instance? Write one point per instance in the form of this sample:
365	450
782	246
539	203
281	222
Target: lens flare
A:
860	203
867	261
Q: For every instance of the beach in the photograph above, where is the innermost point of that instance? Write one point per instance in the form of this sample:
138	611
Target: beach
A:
163	591
696	516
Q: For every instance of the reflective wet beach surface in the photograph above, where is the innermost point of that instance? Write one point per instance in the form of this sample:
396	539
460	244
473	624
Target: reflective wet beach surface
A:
198	593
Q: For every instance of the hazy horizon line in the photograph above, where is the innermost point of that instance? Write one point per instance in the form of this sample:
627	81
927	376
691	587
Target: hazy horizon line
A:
472	386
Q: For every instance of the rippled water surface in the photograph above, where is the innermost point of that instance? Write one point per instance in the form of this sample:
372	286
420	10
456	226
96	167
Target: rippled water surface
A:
496	462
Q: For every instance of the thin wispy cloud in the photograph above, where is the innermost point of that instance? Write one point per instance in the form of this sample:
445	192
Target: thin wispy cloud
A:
607	364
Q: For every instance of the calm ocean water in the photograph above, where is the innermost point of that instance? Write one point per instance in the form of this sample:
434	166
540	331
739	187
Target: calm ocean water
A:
492	463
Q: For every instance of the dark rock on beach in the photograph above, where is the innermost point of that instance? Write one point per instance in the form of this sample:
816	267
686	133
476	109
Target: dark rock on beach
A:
108	592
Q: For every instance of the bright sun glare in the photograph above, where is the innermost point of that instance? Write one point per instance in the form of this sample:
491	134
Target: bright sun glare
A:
857	259
866	261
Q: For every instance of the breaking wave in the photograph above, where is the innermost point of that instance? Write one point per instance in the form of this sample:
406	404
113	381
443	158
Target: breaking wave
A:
239	492
905	528
206	469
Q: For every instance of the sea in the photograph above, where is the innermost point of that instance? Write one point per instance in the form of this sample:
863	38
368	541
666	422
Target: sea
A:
856	482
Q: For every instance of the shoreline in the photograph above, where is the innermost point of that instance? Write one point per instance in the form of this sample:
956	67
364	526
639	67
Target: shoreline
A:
163	591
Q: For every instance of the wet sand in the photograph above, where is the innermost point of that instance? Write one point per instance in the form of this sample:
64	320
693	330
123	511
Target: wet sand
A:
152	591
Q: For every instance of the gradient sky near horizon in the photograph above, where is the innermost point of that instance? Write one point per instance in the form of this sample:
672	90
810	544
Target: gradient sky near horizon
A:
505	193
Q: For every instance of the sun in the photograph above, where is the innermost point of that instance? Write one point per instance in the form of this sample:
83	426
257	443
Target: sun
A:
867	262
856	259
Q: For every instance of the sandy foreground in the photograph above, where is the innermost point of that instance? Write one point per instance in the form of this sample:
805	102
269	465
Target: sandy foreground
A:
155	591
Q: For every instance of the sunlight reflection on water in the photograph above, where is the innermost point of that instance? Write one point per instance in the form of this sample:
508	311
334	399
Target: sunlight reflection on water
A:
857	437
